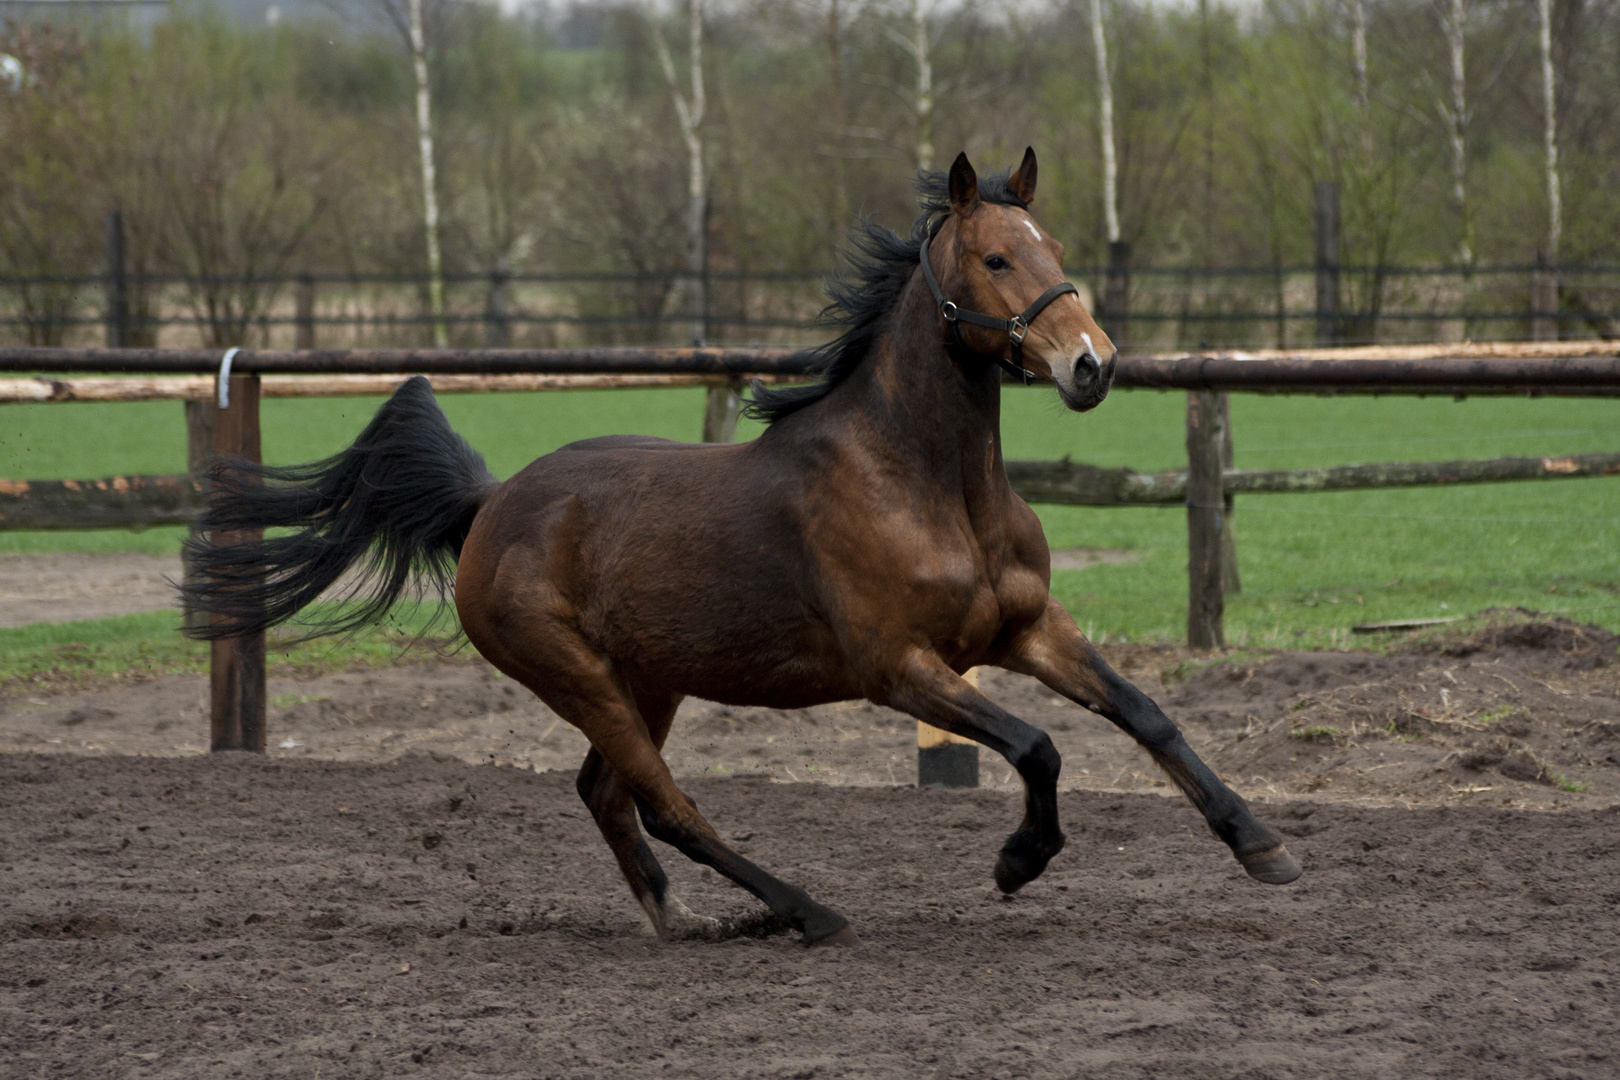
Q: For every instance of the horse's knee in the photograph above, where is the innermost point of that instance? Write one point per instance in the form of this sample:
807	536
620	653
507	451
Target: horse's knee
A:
1039	762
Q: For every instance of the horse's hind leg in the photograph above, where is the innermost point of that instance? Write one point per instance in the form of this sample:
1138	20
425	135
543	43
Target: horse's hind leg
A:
583	688
613	805
1055	652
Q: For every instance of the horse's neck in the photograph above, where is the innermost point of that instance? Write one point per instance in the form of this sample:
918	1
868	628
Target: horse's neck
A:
921	405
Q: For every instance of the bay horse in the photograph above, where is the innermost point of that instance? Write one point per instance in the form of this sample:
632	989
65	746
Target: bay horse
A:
866	545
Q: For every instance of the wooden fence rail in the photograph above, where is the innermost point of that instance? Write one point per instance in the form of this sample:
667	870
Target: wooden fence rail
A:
1588	369
139	502
1079	484
44	391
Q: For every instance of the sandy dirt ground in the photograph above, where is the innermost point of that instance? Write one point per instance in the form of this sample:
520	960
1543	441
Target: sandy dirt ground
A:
243	916
407	884
1524	715
68	586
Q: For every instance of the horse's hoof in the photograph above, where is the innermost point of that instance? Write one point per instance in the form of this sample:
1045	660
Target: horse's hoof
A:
1022	860
1009	880
1273	866
844	937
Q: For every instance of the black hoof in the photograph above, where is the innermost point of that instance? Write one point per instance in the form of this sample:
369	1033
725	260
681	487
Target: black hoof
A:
1023	859
1273	866
830	928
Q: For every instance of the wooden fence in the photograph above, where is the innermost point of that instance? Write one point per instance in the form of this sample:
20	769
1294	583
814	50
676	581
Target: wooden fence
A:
1206	487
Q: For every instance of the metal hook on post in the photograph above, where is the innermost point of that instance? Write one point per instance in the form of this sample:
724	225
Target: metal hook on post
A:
224	382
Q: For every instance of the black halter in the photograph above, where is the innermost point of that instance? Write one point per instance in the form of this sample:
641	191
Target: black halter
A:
1016	327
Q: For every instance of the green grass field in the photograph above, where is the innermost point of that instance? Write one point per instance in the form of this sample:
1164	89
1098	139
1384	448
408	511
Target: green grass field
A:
1312	564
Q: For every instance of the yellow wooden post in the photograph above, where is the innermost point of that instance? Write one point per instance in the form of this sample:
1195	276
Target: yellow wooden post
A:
946	760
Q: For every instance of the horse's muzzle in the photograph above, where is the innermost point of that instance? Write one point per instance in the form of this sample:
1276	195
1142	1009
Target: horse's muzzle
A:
1089	382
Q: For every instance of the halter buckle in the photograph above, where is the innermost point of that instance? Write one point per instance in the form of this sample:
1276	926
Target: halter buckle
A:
1017	328
948	311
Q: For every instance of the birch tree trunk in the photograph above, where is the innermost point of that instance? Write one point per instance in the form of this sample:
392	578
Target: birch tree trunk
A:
430	192
1456	117
723	402
689	111
1358	49
925	87
1358	65
1105	99
1555	222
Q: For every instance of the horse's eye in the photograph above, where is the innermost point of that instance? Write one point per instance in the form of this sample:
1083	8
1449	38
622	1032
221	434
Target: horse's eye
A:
996	262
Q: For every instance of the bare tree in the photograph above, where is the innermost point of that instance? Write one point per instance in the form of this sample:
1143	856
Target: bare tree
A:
689	110
839	120
1105	111
1455	116
1358	49
430	189
922	95
1555	222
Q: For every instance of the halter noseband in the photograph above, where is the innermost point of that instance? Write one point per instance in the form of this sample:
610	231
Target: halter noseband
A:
1016	327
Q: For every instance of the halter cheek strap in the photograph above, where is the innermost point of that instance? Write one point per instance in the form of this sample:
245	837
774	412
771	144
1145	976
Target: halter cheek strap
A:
1016	327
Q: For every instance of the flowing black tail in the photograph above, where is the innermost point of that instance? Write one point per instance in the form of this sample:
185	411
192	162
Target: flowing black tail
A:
402	497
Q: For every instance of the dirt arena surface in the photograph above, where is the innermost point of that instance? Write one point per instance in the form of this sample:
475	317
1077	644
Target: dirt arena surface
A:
68	585
1522	713
240	916
408	885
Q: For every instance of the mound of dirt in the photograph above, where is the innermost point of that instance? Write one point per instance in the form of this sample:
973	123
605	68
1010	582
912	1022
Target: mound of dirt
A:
1579	646
1498	712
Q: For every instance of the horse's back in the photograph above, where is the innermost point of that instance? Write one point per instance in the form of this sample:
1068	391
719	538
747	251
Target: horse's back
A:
662	555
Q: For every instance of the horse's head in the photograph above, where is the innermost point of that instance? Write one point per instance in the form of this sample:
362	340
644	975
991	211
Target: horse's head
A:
998	277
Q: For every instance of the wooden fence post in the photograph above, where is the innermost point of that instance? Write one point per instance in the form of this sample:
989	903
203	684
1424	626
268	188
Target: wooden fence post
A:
304	313
1206	600
1326	219
720	410
236	665
946	760
199	453
1231	581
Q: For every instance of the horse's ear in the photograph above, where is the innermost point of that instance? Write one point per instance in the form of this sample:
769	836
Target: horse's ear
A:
964	186
1022	182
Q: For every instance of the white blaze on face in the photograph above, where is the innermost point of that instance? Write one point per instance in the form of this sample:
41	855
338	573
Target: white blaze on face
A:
1033	231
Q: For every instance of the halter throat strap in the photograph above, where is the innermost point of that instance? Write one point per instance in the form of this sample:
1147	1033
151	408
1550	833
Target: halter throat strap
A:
1016	327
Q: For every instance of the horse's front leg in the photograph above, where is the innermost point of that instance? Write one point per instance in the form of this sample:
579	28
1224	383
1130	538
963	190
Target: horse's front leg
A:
934	694
1055	652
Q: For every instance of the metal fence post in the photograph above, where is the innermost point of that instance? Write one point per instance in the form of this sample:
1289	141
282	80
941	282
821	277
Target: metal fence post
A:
304	312
497	326
1206	600
1116	306
1543	300
236	665
1326	220
117	285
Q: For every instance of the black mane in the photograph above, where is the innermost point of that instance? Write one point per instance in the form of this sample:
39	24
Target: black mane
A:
879	264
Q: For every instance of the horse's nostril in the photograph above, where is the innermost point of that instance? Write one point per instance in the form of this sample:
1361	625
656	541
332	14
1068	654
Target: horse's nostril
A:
1086	367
